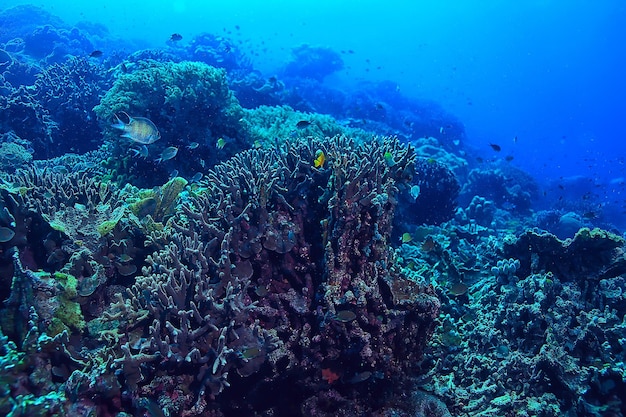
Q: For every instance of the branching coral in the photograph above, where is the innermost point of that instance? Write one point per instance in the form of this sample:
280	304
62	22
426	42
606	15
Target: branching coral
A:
237	292
69	91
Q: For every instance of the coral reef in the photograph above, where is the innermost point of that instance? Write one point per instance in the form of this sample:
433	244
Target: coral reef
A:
189	102
237	292
509	188
281	259
69	91
315	62
533	331
272	271
431	197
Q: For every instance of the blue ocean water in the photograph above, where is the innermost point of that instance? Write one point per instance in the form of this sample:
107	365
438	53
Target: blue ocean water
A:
515	109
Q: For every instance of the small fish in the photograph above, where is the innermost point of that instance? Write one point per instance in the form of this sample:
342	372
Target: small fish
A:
197	177
6	234
257	144
261	291
428	245
319	160
389	161
143	151
458	288
303	124
479	160
508	158
360	377
193	145
176	37
590	215
221	142
495	147
60	169
138	129
249	352
415	191
95	54
167	154
515	139
345	316
441	129
124	258
406	237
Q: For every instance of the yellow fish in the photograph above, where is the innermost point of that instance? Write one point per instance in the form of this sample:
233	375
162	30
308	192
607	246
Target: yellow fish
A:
406	237
138	129
388	156
221	142
319	160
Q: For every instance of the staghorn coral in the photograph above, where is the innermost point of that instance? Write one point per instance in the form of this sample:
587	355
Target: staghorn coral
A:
235	303
76	224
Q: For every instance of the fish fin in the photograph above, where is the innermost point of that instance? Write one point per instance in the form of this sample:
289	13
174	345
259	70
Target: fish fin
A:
130	119
118	123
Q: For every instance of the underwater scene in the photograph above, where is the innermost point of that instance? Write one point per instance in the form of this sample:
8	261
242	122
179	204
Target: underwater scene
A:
312	209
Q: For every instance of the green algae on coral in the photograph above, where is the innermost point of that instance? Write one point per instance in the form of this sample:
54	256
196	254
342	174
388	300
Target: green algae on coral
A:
107	226
168	196
69	316
68	282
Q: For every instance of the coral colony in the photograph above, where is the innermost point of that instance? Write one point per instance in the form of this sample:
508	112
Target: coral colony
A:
262	259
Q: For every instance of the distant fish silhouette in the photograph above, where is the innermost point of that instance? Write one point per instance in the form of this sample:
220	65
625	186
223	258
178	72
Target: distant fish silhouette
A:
167	154
302	124
176	37
495	147
96	54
